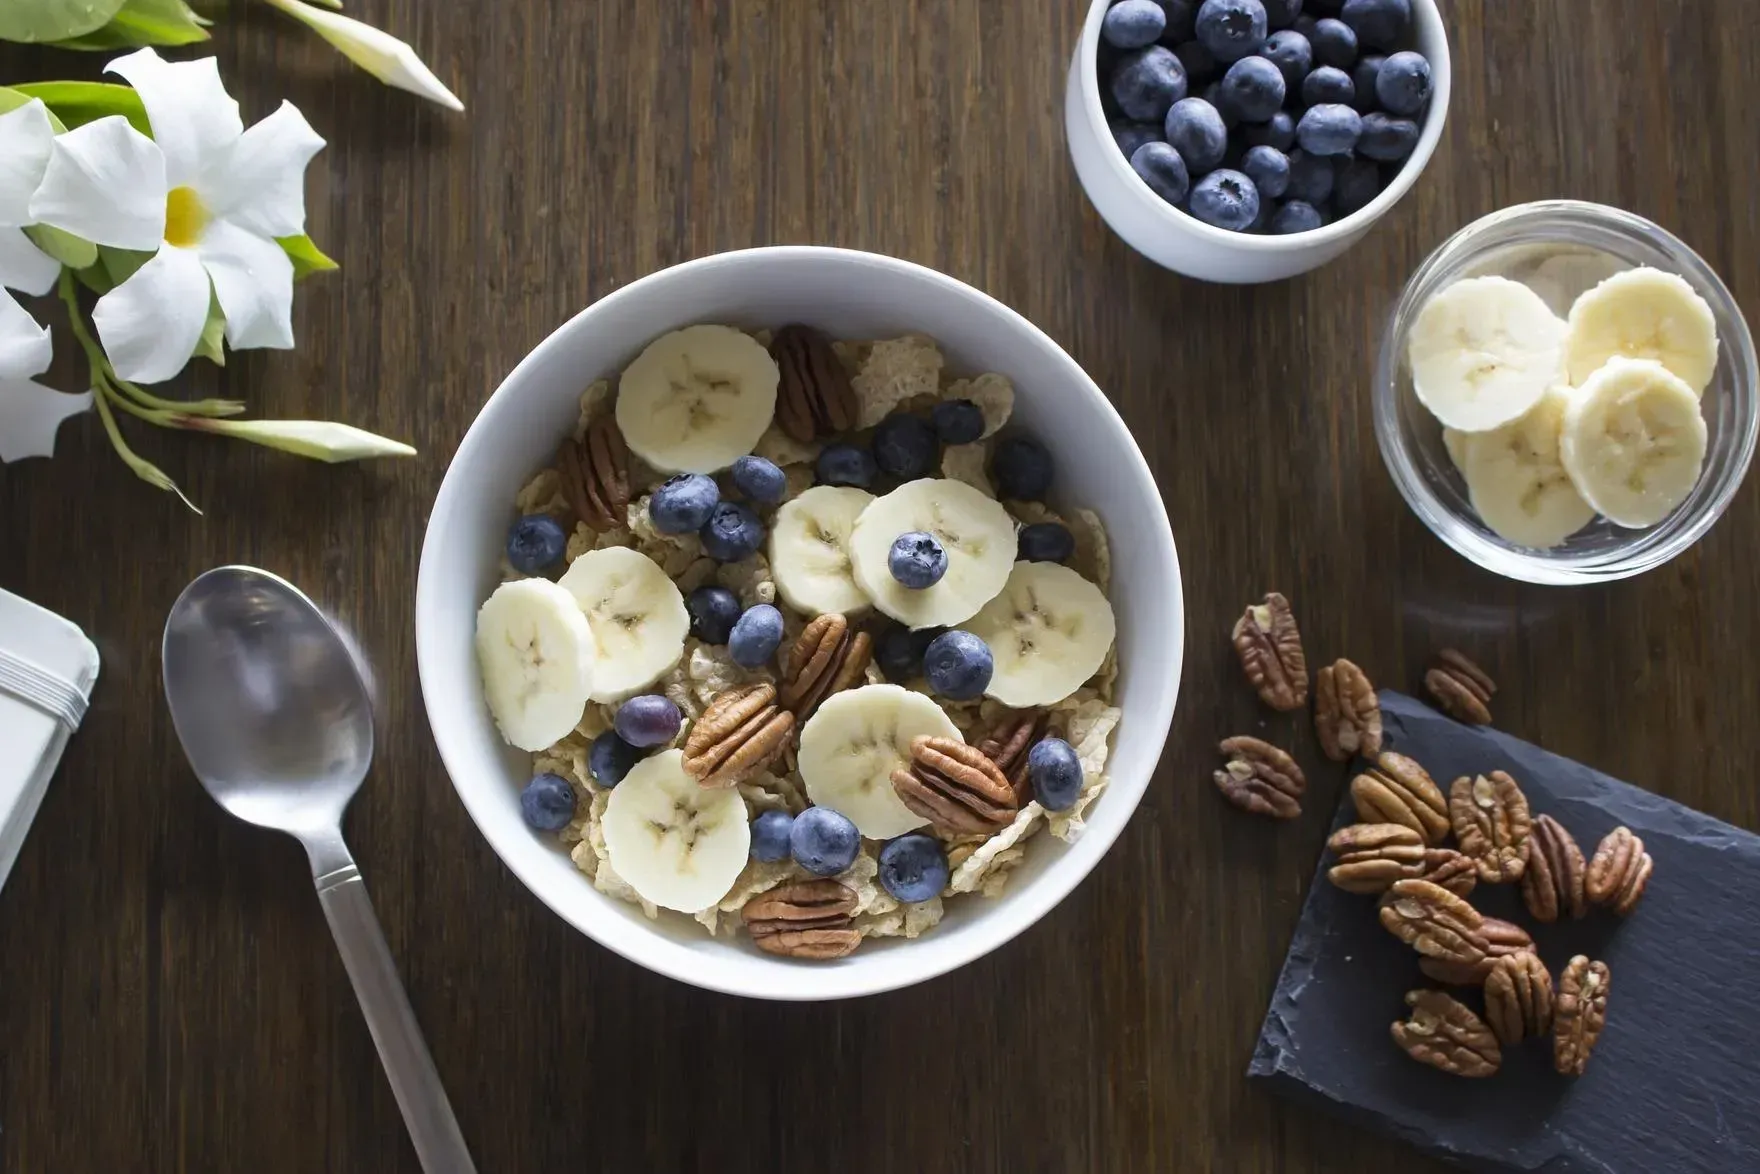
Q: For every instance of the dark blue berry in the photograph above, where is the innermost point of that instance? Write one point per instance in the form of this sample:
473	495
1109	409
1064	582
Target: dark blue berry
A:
960	421
1328	84
1022	468
1379	24
770	836
823	842
1386	138
1045	542
905	446
647	721
1334	44
755	636
1129	136
1403	83
547	803
917	560
1055	774
1268	168
733	532
845	464
714	611
1252	89
1231	29
534	543
1160	166
1195	129
1279	133
1363	77
611	758
913	868
1304	24
1147	82
1280	14
683	503
1358	182
1293	56
958	665
1294	216
1201	68
1213	95
1310	178
1131	24
899	652
760	480
1331	129
1226	199
1182	19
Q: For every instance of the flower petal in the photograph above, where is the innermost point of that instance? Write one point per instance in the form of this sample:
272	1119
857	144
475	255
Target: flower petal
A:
150	324
195	121
25	348
254	281
30	415
105	183
23	266
25	138
262	187
379	53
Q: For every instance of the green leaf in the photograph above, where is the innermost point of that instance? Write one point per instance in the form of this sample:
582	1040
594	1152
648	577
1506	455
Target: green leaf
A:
11	100
145	22
212	345
121	264
66	248
36	21
77	103
307	257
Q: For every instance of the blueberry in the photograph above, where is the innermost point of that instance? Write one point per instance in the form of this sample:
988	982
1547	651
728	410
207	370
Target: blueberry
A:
1295	216
845	464
1279	134
1129	136
1358	182
1160	166
1213	95
905	446
1304	24
899	652
1363	77
755	636
1253	89
770	836
1334	44
547	803
760	480
732	532
648	720
1055	773
1379	24
1329	129
1328	84
1201	67
535	542
913	868
1131	24
714	611
960	421
958	665
1268	168
1403	84
611	758
1045	542
1147	82
917	560
683	503
1195	129
823	842
1182	17
1310	178
1022	468
1280	14
1291	53
1231	29
1226	199
1386	138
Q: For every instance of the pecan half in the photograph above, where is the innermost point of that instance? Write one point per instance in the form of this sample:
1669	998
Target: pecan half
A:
595	475
1434	922
1443	1033
1347	714
1518	998
1492	824
1502	938
1579	1012
828	658
1371	856
1619	871
1552	885
1461	688
1270	647
1260	778
1448	869
740	733
1007	745
806	919
955	786
814	397
1397	790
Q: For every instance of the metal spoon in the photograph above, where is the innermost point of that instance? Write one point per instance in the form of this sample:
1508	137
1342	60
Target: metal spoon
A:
276	718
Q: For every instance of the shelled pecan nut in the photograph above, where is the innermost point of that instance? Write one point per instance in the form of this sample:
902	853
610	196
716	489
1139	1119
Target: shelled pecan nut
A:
1518	998
1502	939
1371	856
1441	1032
1347	714
740	733
1579	1013
1270	647
1007	745
955	786
1618	872
1448	869
1397	790
814	397
1260	778
806	919
1492	824
595	475
1461	688
1552	884
1434	922
828	658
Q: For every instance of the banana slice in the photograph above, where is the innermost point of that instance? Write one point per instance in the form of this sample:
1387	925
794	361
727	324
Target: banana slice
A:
697	399
976	531
1643	314
678	844
853	743
1483	352
1516	482
637	616
1456	443
1633	441
809	551
1049	631
536	654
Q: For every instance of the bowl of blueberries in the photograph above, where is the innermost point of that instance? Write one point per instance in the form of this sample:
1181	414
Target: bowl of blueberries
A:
1252	140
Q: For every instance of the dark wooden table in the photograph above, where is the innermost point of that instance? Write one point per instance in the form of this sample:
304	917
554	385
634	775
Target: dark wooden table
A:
169	996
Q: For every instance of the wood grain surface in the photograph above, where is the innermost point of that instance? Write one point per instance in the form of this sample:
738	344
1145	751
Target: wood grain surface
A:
169	996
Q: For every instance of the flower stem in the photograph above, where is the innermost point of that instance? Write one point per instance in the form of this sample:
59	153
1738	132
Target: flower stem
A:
101	368
144	469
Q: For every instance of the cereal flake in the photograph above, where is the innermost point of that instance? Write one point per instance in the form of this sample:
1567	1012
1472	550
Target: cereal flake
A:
674	552
994	395
972	871
967	462
783	450
894	371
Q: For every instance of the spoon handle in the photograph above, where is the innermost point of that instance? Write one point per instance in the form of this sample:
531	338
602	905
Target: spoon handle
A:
426	1112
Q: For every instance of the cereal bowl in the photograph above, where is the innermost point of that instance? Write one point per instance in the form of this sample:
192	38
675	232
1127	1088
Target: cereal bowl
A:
849	295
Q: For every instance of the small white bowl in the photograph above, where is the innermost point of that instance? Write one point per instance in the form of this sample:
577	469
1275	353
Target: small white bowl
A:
1176	241
851	295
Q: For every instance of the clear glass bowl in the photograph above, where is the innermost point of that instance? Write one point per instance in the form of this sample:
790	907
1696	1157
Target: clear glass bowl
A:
1562	247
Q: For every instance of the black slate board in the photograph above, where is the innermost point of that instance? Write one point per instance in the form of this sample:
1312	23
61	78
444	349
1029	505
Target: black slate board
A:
1674	1085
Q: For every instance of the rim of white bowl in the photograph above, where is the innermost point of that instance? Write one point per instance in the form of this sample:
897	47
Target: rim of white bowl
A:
1428	21
1008	916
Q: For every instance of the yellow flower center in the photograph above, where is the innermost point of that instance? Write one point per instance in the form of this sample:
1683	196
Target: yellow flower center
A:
185	217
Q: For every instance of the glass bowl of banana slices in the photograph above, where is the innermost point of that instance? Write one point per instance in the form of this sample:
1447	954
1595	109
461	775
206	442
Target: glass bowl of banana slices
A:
1566	394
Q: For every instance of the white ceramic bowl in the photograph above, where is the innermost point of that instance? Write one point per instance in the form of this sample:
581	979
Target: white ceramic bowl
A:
851	295
1176	241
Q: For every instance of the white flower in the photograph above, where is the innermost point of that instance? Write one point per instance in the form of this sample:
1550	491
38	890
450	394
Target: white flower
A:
379	53
209	195
25	139
29	412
